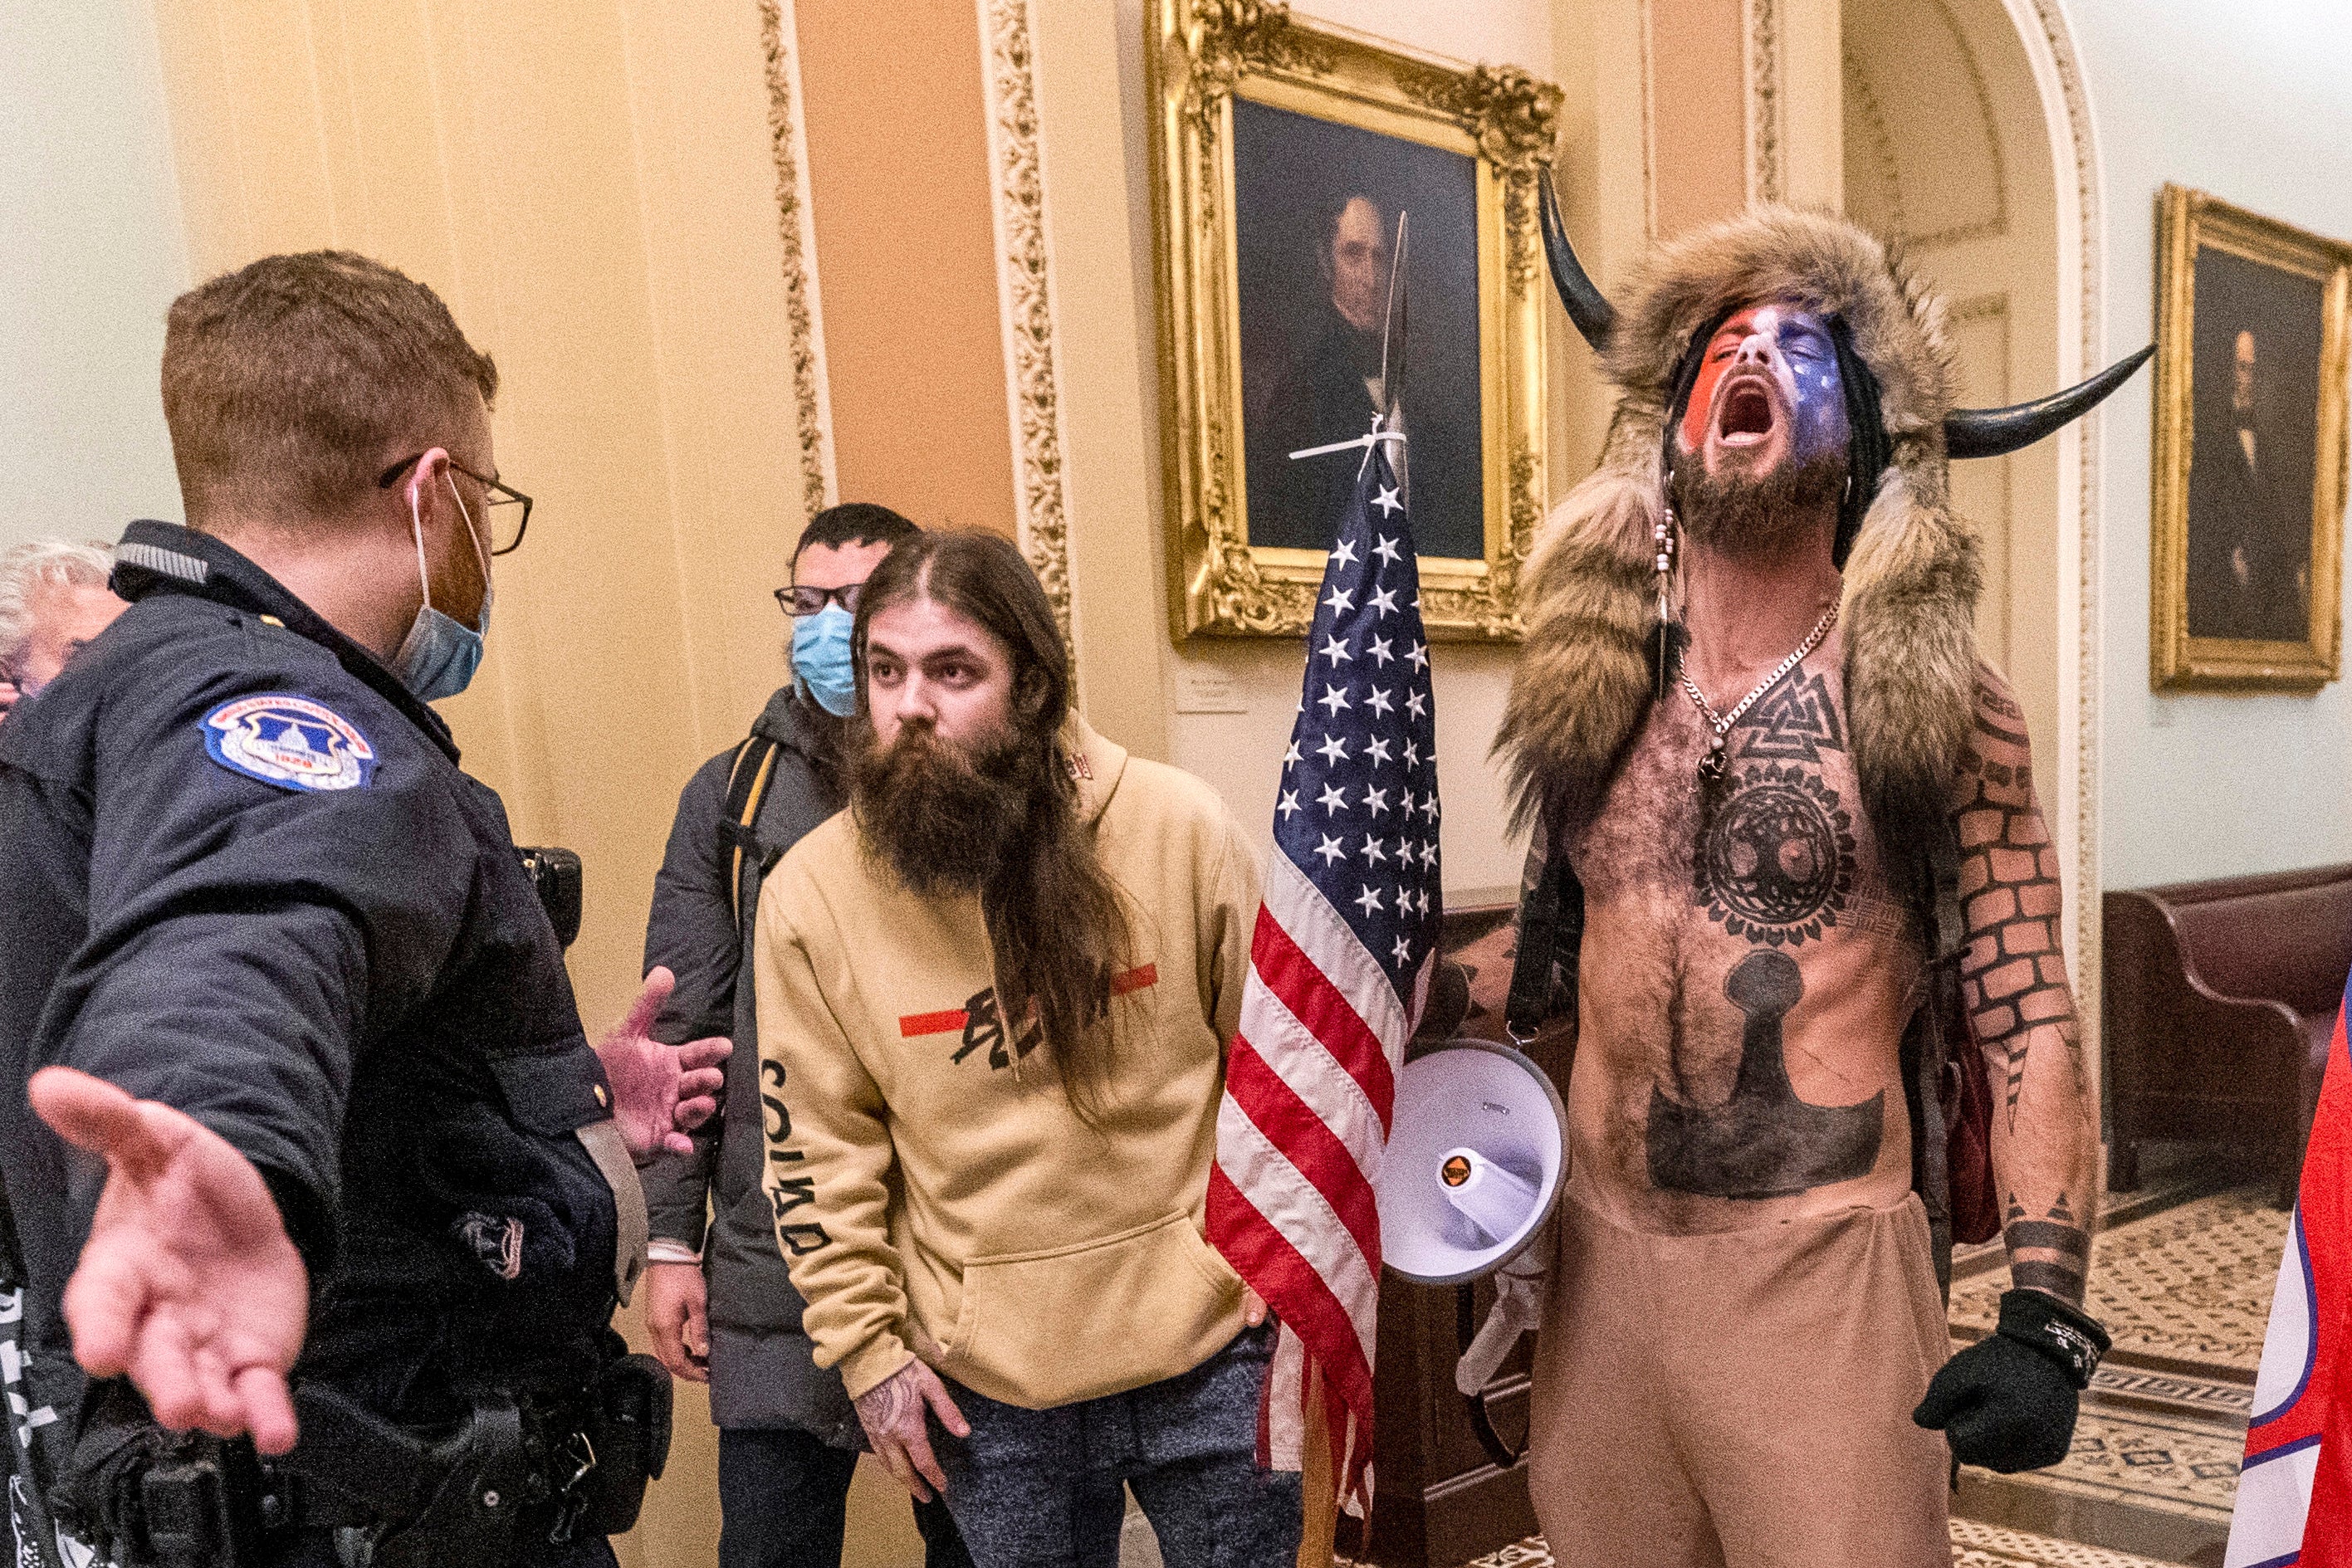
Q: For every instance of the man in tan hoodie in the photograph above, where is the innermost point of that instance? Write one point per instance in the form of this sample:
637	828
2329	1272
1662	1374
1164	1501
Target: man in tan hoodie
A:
993	999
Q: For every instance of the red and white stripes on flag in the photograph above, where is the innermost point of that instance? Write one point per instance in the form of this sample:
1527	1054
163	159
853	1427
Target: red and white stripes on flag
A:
1310	1086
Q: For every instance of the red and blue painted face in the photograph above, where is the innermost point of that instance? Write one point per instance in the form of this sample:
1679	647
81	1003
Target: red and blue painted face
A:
1767	393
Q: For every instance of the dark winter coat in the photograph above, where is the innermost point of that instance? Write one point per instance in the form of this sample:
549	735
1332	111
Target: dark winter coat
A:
761	1371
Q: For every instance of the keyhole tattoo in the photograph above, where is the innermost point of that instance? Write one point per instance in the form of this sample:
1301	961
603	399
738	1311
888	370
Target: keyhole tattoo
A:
2014	974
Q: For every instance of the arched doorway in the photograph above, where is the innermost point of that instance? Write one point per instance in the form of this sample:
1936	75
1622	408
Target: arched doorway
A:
1968	142
1945	151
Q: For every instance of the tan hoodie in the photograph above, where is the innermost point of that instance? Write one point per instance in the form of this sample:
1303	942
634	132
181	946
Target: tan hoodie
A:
933	1192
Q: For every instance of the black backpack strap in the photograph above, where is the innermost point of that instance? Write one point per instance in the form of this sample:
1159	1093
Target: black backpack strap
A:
1552	932
747	791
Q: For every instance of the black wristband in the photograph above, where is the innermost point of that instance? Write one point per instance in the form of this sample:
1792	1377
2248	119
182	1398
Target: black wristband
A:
2066	1337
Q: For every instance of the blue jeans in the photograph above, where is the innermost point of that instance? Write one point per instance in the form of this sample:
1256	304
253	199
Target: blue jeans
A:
783	1498
1042	1489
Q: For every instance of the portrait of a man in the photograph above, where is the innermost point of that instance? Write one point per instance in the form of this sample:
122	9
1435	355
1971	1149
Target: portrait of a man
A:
2251	465
2252	339
1315	207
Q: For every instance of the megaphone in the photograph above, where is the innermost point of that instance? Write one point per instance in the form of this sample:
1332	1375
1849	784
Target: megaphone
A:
1477	1148
1477	1152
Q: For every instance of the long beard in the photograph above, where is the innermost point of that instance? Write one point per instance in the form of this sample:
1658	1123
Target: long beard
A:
939	820
1758	517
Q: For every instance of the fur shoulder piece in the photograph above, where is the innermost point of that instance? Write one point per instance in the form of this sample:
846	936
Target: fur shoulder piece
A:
1583	678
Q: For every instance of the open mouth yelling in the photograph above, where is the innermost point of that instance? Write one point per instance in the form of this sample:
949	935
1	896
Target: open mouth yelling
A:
1744	417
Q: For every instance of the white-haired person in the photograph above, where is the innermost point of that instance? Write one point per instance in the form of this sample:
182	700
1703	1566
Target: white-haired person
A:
53	599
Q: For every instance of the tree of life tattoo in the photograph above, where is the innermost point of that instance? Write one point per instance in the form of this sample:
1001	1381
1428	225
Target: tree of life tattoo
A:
1774	861
2014	974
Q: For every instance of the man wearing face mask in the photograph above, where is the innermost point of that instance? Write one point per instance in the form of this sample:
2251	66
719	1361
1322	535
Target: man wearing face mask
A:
364	1201
719	1301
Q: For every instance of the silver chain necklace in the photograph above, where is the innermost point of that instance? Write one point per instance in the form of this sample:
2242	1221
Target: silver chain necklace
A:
1710	767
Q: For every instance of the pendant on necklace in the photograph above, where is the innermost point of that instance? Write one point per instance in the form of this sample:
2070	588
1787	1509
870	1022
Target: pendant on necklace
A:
1710	767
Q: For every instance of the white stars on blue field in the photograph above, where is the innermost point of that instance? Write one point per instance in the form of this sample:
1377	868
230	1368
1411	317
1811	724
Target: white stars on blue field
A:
1364	748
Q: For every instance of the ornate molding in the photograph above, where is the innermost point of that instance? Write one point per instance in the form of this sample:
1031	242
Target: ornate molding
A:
1025	294
1768	161
2068	68
792	222
1234	36
1514	118
1882	146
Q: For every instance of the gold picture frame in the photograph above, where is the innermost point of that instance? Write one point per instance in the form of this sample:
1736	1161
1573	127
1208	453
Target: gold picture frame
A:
1204	58
2251	319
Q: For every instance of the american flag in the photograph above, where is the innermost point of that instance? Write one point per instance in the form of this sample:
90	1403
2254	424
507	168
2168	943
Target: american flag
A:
1339	967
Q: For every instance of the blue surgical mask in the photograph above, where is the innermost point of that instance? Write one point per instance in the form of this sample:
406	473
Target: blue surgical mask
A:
821	659
438	657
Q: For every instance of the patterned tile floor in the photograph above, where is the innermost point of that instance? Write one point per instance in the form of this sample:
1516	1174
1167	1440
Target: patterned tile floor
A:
2186	1288
1974	1545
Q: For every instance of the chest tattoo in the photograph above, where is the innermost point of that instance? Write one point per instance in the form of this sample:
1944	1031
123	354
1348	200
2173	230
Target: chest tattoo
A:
1774	860
1763	1141
1796	721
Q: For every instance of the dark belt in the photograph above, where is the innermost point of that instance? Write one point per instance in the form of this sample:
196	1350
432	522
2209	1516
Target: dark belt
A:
517	1470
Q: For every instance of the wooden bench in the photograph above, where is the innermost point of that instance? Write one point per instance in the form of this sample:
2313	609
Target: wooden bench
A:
2220	1000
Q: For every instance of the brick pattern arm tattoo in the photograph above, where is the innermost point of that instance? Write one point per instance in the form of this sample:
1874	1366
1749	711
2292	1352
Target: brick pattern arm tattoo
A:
2020	1010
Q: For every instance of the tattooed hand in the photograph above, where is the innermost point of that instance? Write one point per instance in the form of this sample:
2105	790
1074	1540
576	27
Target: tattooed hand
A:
893	1412
2021	1011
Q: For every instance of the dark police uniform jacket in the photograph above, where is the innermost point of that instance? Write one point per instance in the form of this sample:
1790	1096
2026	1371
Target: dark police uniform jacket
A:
241	873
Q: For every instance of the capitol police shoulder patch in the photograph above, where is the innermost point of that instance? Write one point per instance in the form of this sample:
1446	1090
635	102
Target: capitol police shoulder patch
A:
289	741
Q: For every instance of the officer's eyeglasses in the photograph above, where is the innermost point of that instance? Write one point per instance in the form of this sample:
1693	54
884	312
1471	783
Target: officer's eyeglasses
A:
802	599
506	515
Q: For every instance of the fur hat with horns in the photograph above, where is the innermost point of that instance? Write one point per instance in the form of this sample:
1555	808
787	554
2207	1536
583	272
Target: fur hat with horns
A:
1584	677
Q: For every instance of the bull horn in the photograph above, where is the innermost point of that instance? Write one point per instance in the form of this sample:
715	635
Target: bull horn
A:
1997	432
1587	306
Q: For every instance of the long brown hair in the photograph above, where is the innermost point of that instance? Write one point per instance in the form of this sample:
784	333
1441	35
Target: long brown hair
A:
1057	923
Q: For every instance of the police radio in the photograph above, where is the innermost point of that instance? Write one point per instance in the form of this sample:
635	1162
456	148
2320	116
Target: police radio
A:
555	877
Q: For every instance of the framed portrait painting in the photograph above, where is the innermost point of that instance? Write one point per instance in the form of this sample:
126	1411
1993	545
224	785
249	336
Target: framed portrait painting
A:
2249	449
1284	152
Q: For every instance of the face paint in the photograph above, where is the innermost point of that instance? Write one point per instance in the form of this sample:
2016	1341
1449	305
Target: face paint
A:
1766	365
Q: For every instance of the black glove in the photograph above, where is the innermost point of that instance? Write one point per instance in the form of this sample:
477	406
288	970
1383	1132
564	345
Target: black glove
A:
2008	1402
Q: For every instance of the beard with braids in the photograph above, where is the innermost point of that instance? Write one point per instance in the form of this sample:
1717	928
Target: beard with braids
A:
1757	517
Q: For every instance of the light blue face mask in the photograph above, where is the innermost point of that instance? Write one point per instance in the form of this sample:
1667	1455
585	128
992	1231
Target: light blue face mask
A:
438	657
821	659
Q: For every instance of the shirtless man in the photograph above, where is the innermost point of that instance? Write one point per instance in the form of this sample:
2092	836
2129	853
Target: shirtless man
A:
1744	1311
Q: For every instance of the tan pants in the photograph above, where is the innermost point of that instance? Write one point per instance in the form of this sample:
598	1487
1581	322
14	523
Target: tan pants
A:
1741	1400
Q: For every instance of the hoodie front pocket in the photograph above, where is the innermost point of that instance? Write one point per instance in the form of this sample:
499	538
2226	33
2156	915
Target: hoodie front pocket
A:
1053	1327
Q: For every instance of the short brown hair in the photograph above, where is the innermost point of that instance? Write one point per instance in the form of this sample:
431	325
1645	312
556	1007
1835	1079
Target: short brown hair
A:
290	384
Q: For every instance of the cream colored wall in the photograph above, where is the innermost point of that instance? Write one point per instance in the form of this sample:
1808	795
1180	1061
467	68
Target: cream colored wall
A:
589	186
2250	103
92	252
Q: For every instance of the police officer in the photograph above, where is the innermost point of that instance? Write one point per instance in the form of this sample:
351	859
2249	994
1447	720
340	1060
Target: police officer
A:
270	956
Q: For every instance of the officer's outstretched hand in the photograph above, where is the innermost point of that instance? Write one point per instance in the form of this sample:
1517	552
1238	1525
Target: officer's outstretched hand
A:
895	1413
188	1283
660	1093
